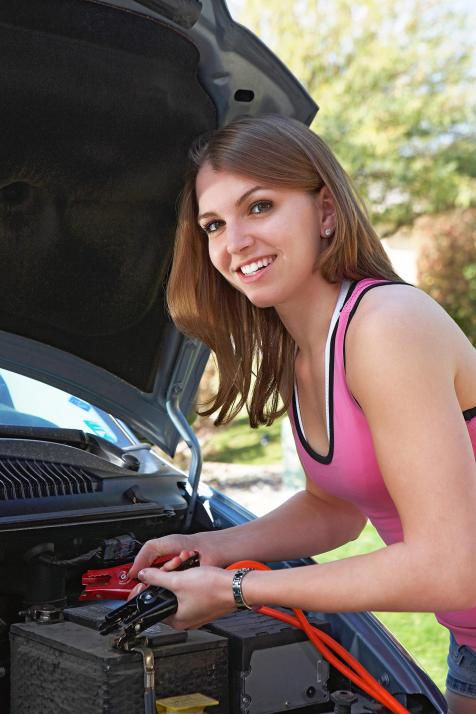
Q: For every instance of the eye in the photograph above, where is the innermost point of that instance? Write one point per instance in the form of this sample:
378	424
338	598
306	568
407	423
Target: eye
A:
260	207
212	227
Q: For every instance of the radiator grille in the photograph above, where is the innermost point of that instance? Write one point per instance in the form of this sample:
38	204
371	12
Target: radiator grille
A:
32	478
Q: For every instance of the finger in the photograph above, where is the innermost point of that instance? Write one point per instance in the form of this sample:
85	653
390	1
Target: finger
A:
173	622
172	563
145	557
156	576
136	590
175	562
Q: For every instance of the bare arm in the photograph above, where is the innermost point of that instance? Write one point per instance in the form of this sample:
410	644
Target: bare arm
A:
405	385
310	522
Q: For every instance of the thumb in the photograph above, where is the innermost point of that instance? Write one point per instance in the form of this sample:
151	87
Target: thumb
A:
156	576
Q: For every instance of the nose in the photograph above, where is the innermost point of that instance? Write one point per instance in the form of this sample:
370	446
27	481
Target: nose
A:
237	238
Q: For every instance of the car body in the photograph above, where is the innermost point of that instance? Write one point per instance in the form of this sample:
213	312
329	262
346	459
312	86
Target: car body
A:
101	102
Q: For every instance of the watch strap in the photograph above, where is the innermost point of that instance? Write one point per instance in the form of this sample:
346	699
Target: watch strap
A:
236	583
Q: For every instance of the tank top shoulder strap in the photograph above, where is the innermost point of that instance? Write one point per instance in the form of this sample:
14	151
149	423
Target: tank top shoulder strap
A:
356	293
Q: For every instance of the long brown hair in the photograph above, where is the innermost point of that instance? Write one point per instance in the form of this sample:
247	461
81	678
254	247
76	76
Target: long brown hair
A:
250	341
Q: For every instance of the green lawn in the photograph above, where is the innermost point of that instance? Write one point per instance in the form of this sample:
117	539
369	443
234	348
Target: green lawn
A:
419	633
240	444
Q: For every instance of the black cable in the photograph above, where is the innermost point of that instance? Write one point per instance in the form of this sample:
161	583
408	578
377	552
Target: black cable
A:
71	562
149	701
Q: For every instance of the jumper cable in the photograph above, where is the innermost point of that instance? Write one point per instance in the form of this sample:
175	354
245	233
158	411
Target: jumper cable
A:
328	647
113	582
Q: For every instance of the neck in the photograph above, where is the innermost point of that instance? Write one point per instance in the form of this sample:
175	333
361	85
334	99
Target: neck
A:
308	316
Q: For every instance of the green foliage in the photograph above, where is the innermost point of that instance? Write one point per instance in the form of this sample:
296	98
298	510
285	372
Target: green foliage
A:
447	266
239	444
394	81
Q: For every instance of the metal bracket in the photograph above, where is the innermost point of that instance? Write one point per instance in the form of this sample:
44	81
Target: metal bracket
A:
180	422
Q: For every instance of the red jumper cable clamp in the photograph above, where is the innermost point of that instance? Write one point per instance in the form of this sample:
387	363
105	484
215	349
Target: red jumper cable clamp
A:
114	583
150	606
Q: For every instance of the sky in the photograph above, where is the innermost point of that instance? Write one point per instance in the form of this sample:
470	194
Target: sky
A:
466	7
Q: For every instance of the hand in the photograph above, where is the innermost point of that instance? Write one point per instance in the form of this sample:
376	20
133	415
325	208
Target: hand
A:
172	564
203	593
184	545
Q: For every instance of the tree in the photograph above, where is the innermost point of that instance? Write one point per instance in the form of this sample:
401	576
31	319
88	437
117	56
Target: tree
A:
394	81
447	265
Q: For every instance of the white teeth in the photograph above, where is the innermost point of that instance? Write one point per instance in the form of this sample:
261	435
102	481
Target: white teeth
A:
251	268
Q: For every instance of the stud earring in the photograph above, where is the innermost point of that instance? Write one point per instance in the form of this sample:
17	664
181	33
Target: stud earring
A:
328	232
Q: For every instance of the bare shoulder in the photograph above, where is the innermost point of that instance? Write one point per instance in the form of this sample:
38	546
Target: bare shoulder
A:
392	312
399	329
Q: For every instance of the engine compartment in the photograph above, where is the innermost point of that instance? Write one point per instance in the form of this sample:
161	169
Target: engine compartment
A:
79	503
66	506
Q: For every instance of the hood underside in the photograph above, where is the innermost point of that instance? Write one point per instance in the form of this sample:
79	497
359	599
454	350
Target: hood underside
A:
100	105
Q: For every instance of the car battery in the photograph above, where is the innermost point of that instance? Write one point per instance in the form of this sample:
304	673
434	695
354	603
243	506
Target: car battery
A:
273	666
69	668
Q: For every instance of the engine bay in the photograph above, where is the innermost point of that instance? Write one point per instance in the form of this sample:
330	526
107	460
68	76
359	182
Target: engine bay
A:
71	502
68	505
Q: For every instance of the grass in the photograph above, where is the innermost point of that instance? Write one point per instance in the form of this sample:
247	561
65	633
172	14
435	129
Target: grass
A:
419	633
240	444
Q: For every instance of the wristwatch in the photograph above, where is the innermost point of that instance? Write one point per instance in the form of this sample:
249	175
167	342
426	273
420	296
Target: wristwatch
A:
236	588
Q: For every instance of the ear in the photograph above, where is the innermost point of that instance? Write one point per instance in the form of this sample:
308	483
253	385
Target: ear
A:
327	213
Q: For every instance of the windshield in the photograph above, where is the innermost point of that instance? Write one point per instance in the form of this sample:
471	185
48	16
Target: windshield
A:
27	402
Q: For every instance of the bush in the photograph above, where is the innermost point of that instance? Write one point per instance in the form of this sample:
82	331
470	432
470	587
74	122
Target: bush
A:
447	266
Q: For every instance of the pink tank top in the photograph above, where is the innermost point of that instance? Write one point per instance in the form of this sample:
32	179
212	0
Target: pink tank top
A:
350	470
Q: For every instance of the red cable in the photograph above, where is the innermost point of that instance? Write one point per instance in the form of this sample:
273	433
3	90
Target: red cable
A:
324	643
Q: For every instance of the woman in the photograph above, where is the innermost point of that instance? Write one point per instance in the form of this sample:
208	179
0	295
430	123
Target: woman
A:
278	270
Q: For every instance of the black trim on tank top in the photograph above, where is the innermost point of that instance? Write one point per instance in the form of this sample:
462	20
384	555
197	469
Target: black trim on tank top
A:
469	414
351	289
357	303
330	395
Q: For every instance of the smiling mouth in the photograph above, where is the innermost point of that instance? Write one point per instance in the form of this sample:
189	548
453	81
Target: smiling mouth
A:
256	266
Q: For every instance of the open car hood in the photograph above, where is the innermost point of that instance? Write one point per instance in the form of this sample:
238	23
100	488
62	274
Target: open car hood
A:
101	101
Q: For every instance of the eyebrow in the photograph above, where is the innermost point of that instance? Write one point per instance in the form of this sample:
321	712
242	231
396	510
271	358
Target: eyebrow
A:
237	204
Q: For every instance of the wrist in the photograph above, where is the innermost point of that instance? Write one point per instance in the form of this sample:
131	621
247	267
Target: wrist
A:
223	586
237	588
219	541
249	592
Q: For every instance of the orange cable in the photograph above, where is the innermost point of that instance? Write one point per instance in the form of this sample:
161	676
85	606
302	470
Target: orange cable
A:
324	643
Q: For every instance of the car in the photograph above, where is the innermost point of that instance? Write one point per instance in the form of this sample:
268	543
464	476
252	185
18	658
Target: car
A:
101	101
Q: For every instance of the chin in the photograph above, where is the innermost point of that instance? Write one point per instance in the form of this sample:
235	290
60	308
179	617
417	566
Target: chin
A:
261	301
257	298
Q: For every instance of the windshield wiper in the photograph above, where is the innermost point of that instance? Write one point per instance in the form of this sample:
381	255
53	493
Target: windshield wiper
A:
73	437
69	437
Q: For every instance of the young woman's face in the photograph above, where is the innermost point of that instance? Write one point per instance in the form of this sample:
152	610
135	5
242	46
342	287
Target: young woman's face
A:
264	240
